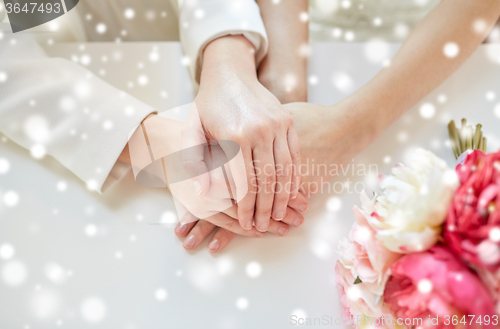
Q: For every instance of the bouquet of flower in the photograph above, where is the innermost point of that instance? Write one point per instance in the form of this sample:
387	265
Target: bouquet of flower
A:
426	252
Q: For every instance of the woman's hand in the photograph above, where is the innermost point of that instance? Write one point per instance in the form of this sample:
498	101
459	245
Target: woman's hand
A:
226	227
233	105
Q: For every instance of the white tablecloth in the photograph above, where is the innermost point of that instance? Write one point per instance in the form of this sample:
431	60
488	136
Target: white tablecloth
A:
91	258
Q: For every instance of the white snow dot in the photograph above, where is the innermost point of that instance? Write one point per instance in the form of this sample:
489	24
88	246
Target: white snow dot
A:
93	310
442	98
224	265
451	50
299	313
154	56
253	269
168	218
479	26
4	166
376	51
92	185
313	80
36	127
6	251
101	28
185	61
161	294
10	198
45	303
336	32
334	204
304	17
82	89
150	15
61	186
494	234
199	13
143	80
242	303
67	103
91	230
118	255
55	273
343	82
496	110
85	59
490	95
377	21
3	77
427	110
346	4
14	273
321	249
107	125
387	159
129	13
424	286
349	36
401	30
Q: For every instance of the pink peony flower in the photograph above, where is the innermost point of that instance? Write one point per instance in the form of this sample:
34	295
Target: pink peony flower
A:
435	283
363	270
472	228
351	315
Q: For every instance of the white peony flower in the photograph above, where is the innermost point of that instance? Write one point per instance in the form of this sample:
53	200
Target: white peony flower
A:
408	215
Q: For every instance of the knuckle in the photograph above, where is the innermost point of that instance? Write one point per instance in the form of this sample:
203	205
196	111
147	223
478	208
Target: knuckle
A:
264	211
268	181
295	155
247	210
284	170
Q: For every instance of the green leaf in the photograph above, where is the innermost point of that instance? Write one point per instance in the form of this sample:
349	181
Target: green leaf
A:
358	280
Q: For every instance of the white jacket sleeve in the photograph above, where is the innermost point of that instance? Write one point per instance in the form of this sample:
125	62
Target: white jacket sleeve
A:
203	21
54	106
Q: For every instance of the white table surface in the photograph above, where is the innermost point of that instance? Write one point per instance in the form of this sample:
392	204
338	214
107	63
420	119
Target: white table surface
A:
48	226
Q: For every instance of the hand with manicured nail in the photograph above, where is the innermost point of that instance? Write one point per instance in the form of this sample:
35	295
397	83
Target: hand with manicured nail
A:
226	227
233	105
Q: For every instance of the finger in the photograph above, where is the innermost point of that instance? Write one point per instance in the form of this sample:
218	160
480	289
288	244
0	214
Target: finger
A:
266	179
181	230
278	228
200	232
294	148
246	205
300	203
193	143
220	240
283	176
293	218
231	224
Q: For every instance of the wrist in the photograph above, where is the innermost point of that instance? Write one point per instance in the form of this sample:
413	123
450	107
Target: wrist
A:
229	55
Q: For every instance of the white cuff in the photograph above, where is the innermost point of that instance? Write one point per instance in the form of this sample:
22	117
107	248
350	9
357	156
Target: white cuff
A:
204	21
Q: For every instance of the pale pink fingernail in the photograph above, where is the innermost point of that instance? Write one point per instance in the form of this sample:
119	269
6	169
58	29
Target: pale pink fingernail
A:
283	230
279	215
190	241
303	207
297	222
214	245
